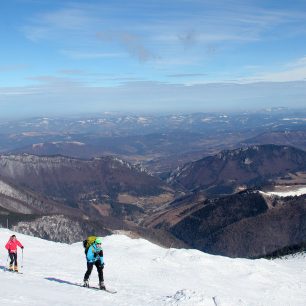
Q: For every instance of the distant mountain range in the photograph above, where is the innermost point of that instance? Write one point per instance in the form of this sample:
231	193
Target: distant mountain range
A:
159	142
119	124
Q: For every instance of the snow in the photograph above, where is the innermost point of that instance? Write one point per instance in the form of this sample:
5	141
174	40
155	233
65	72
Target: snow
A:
37	145
248	161
146	274
292	192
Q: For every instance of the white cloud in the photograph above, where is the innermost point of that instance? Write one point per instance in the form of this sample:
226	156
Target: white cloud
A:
298	63
90	55
130	42
60	24
201	23
36	33
288	72
13	67
296	74
72	72
18	91
67	18
71	95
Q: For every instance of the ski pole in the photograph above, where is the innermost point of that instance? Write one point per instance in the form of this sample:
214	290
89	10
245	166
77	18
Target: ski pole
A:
6	268
22	258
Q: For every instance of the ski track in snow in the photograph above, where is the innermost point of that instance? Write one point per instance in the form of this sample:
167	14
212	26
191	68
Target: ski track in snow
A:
146	274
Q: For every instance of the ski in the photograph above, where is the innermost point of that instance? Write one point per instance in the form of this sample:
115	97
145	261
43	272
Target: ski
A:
15	272
107	290
97	288
110	291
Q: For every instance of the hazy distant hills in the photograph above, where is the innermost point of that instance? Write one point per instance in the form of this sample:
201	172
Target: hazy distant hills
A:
157	152
150	145
233	170
117	124
160	142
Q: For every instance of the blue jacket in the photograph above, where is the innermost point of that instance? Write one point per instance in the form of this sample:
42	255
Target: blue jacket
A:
94	253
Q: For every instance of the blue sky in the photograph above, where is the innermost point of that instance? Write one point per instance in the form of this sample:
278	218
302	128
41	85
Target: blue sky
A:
62	57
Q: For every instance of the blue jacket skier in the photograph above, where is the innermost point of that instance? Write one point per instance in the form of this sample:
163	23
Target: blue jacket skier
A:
94	256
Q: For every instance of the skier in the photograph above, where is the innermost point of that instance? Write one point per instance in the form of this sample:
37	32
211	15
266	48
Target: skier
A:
94	256
11	246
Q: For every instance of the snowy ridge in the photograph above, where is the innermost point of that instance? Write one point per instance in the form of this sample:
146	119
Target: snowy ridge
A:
291	192
146	274
297	192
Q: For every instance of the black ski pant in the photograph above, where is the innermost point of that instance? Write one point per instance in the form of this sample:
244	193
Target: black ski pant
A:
99	266
13	257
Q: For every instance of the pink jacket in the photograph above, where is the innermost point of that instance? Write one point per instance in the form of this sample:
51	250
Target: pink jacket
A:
11	245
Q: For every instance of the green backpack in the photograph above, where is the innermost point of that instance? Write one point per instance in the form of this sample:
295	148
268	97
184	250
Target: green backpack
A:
88	242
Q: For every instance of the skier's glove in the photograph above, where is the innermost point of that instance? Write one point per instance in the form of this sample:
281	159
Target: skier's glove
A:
22	247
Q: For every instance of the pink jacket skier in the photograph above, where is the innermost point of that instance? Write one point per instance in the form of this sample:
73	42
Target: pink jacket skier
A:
11	246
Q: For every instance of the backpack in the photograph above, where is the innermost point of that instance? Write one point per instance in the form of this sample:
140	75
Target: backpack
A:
88	242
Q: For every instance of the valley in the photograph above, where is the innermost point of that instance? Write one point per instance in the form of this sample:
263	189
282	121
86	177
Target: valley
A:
205	181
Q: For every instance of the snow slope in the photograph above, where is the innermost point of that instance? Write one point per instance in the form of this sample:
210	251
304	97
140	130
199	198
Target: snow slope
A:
294	192
146	274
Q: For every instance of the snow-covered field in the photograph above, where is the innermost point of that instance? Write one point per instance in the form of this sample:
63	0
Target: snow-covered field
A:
146	274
